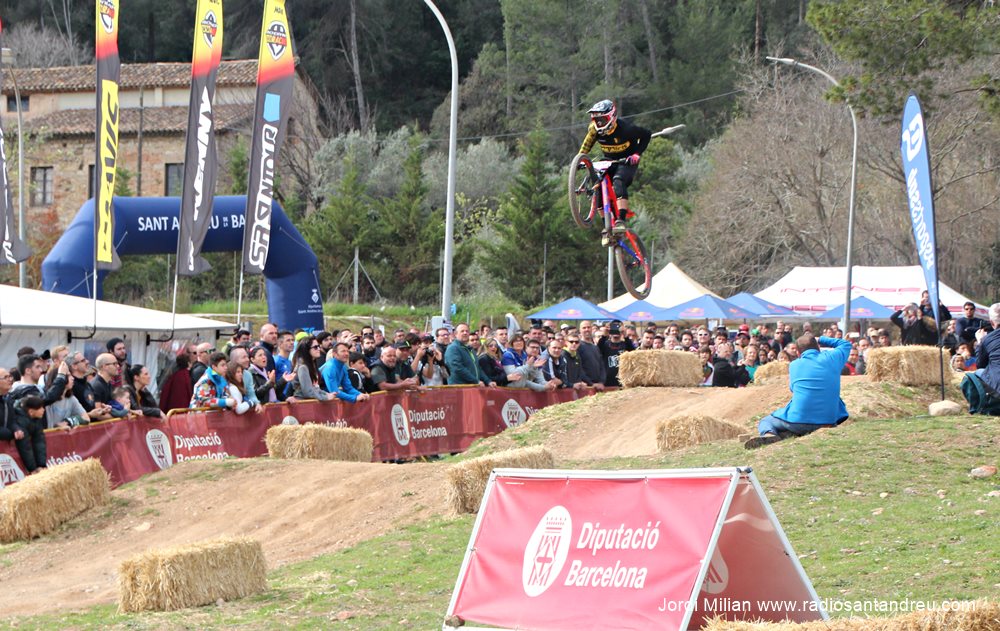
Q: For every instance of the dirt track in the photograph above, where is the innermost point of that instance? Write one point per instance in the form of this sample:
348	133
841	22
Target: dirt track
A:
301	509
297	509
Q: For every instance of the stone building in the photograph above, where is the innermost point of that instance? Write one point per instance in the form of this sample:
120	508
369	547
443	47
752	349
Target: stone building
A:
58	110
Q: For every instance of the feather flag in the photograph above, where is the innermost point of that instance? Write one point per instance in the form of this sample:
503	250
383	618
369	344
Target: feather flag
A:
108	71
14	250
275	77
200	159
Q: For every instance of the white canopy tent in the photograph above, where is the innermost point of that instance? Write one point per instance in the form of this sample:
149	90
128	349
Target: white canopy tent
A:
43	320
813	290
671	287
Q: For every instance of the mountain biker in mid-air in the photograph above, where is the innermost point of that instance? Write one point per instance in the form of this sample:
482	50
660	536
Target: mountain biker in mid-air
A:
618	139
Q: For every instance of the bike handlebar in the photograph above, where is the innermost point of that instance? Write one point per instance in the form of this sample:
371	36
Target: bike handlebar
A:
666	131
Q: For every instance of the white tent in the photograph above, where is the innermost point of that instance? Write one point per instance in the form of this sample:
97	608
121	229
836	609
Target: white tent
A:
813	290
43	320
671	287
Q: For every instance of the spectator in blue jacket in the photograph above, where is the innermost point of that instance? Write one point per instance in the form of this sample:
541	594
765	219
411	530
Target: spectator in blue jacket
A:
988	356
814	379
334	374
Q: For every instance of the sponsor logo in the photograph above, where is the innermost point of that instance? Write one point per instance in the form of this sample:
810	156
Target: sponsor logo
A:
210	28
260	234
717	577
106	11
159	448
109	161
400	425
512	413
276	37
70	457
546	551
9	471
8	245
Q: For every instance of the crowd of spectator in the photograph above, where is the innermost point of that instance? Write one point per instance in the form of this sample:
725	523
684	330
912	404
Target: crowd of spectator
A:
58	388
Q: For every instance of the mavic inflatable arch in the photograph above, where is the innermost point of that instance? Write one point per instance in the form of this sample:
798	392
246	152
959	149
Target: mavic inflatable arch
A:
149	225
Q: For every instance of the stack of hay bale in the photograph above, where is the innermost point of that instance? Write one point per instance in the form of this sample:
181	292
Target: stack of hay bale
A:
42	502
909	365
659	368
467	480
319	442
771	372
191	575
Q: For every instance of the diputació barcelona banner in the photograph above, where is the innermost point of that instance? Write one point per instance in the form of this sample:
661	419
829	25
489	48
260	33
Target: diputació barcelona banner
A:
12	250
659	549
920	195
403	426
201	164
108	71
275	78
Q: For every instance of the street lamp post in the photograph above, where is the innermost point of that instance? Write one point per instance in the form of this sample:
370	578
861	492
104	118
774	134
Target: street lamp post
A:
7	58
449	223
854	168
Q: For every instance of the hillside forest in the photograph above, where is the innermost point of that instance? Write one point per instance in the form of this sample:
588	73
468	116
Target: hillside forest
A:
756	183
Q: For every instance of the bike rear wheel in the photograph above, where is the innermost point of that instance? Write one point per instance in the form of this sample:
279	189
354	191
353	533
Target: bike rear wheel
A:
633	265
581	190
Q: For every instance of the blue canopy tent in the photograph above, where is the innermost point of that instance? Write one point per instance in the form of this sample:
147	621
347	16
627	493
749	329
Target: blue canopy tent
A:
760	308
862	308
706	308
642	311
574	309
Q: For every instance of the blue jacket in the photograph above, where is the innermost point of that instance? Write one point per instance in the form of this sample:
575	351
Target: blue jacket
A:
814	379
988	359
334	374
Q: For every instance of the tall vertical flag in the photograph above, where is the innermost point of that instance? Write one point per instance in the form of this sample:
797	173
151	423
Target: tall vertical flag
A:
108	71
275	77
14	250
200	159
919	195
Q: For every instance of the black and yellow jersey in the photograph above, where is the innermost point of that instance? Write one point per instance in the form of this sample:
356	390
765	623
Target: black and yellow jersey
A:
623	139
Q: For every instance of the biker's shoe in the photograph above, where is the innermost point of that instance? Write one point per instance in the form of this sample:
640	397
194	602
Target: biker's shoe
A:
618	229
605	239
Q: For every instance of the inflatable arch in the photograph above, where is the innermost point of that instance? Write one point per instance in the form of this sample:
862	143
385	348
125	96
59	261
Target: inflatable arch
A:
149	225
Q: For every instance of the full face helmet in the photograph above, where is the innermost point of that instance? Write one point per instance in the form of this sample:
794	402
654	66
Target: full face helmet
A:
604	115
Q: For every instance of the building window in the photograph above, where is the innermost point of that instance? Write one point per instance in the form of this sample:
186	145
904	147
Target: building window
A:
173	181
12	103
41	186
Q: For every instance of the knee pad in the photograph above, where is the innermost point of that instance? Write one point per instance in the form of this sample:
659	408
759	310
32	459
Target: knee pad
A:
619	187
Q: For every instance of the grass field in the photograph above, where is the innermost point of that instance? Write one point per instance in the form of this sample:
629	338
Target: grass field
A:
877	509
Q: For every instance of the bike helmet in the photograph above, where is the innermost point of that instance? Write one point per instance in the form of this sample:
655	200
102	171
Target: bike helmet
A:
603	114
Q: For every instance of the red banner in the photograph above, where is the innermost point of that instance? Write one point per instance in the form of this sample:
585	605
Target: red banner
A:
403	426
627	550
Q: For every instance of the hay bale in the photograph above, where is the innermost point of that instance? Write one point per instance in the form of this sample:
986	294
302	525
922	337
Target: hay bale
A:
908	365
684	431
977	615
319	442
771	372
659	368
42	502
467	480
191	575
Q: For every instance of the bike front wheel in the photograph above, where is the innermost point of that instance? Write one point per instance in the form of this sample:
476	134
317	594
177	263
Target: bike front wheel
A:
581	190
633	265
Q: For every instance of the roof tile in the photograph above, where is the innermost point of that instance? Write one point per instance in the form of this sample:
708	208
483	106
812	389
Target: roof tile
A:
238	72
156	120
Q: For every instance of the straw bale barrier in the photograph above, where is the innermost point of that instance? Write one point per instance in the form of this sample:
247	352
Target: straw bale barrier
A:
908	365
191	575
659	368
42	502
467	480
771	372
684	431
979	615
319	442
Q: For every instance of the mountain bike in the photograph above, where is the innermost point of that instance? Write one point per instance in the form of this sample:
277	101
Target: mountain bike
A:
591	192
